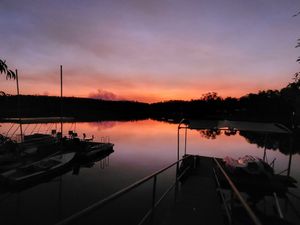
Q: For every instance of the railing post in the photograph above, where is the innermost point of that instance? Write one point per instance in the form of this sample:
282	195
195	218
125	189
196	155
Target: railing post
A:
120	193
176	187
154	191
153	196
178	142
289	166
177	164
185	139
290	156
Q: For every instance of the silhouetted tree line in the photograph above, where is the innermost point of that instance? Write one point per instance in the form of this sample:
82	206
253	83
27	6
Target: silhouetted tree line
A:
271	105
79	108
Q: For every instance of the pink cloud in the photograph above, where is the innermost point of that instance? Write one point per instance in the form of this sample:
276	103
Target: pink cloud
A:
104	95
103	125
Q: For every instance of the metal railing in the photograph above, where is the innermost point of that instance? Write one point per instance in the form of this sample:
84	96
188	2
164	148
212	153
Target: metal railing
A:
123	191
249	211
227	210
105	139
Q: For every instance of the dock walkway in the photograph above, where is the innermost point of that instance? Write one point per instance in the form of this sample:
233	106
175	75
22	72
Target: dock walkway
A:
197	201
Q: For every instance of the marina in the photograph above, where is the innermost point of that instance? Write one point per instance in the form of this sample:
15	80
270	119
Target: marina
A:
150	112
120	172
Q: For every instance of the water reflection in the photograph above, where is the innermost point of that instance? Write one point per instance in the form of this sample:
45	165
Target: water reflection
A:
285	143
103	125
141	148
210	133
48	192
100	160
77	163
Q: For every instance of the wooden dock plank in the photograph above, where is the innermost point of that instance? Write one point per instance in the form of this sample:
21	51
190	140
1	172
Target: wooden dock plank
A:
197	201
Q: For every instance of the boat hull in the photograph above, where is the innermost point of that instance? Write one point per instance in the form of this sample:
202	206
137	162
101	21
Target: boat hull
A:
33	172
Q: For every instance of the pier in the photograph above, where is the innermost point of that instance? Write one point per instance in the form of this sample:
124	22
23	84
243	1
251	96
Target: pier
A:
198	199
197	189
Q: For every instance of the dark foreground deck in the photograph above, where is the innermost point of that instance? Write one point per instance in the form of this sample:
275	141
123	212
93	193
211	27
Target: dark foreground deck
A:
197	201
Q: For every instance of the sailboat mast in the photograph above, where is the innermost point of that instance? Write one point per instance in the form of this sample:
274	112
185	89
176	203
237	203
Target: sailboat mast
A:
61	100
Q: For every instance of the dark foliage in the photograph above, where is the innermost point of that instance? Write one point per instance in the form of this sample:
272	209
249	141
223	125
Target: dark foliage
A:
79	108
297	75
264	106
272	105
4	69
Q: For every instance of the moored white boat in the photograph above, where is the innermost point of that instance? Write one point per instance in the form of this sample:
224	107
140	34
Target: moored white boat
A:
37	170
248	164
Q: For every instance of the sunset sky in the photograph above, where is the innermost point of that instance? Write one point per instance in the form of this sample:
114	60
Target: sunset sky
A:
149	50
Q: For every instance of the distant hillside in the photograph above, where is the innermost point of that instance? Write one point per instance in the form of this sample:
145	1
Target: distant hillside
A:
80	108
272	105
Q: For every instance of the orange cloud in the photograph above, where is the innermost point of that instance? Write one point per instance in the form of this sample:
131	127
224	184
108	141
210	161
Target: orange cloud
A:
137	87
104	95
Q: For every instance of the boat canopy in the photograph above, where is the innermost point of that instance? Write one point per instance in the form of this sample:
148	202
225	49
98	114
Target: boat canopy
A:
238	125
38	120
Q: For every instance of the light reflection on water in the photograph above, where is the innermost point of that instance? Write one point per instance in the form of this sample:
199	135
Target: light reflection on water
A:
141	147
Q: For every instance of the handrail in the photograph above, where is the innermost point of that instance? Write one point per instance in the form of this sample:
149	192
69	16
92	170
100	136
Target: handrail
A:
163	196
223	198
277	205
282	171
254	218
272	164
115	195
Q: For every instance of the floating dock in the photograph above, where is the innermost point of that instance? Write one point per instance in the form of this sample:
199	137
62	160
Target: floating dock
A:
197	201
199	198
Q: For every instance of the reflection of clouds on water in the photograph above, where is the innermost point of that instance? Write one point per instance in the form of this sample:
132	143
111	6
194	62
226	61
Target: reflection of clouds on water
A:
103	125
141	147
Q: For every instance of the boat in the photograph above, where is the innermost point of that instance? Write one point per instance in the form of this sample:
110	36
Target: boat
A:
35	147
41	169
86	148
90	150
7	149
6	143
248	164
93	148
36	142
254	176
3	140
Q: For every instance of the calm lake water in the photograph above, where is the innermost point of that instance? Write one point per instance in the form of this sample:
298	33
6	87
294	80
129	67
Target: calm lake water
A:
141	147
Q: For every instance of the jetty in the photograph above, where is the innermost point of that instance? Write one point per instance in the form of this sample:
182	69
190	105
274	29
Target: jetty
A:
198	190
197	197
